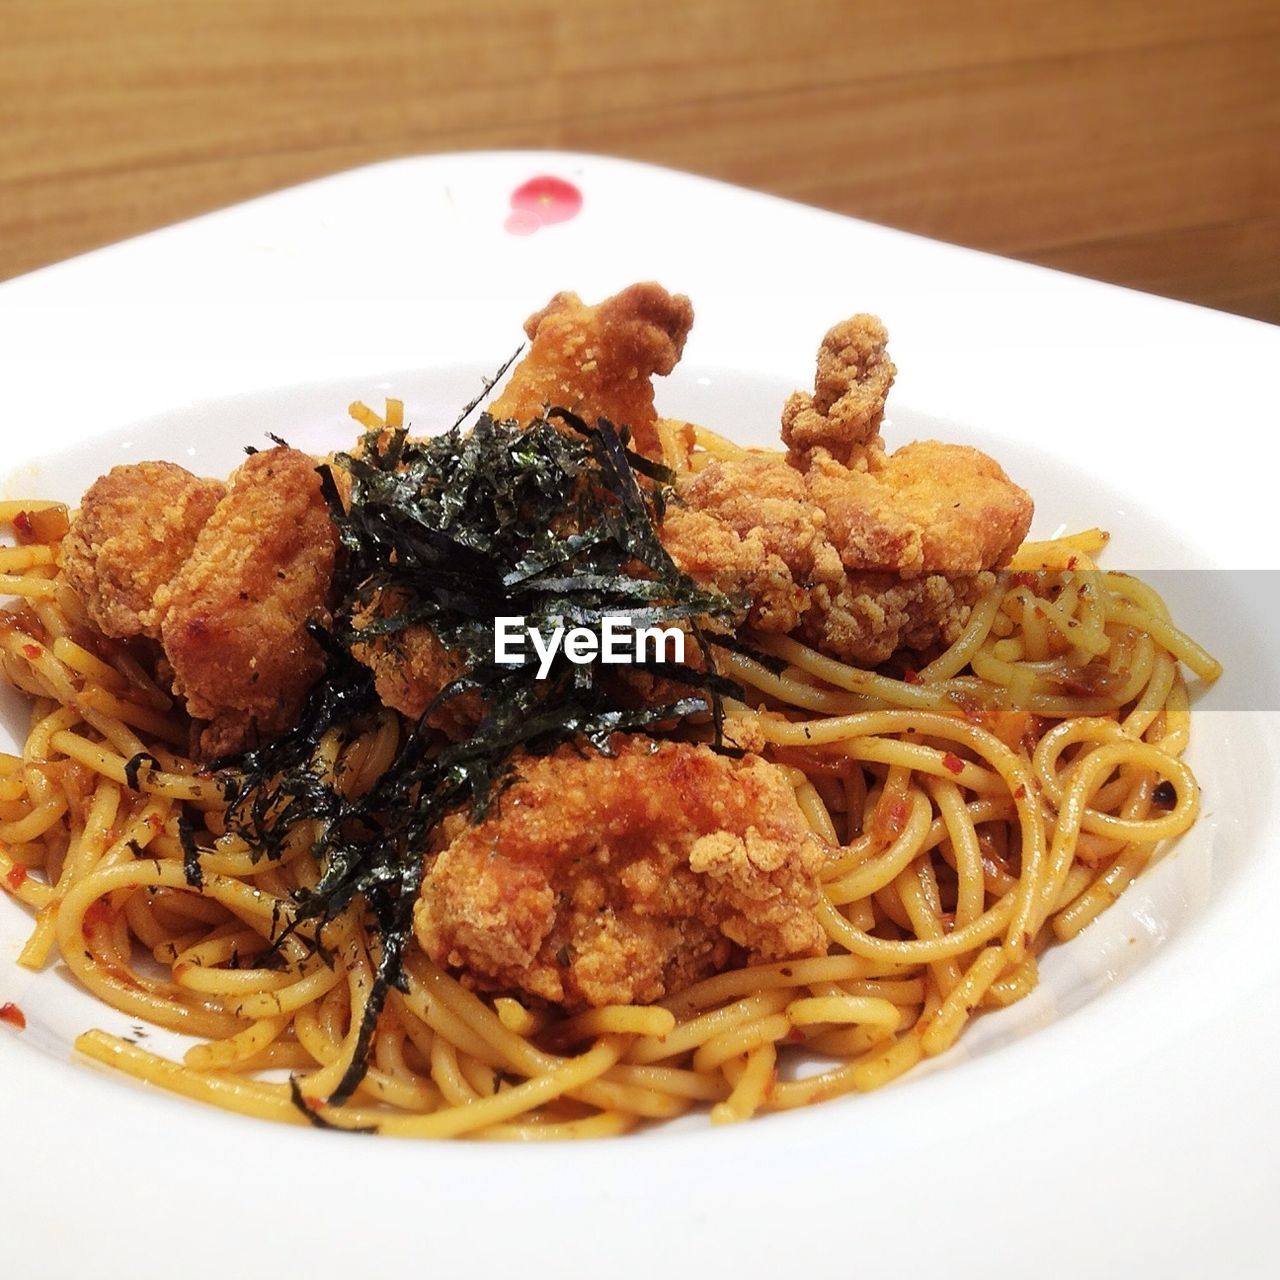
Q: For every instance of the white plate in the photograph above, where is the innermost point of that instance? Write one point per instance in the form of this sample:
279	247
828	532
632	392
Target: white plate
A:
1138	1134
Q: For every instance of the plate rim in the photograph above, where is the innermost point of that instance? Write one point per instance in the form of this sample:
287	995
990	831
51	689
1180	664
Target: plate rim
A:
678	1159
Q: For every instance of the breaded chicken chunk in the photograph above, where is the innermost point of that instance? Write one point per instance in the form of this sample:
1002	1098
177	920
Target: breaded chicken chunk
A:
859	552
600	361
135	528
844	413
411	666
748	528
854	581
928	507
597	361
234	617
600	880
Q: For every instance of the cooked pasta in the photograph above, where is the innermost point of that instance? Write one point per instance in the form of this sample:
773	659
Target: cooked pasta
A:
978	810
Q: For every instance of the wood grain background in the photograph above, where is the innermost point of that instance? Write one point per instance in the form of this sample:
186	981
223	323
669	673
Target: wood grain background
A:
1134	140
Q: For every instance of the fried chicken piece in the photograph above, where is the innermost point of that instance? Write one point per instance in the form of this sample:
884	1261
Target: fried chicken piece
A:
859	552
928	507
234	617
860	564
600	361
411	666
135	528
749	529
844	413
601	880
870	616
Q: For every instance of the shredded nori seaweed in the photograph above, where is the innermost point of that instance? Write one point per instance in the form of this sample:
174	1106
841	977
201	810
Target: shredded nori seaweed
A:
299	1100
133	766
556	522
191	867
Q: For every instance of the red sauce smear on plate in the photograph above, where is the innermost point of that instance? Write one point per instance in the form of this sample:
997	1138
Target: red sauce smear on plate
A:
540	202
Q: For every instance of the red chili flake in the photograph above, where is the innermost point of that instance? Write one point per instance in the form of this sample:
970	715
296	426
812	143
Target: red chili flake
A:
911	676
972	710
14	1016
32	651
1020	793
888	820
795	1036
1071	564
1025	578
953	762
16	876
22	525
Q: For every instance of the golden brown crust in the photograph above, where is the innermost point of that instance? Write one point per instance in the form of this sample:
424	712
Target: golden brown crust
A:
859	552
616	880
600	361
860	564
411	666
135	528
927	508
844	413
868	617
749	528
235	615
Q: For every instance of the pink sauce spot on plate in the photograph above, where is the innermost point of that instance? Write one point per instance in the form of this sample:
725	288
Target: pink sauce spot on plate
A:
520	222
540	202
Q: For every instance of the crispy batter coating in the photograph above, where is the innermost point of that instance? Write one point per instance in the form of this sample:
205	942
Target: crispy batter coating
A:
616	880
928	507
135	528
235	614
861	564
749	528
870	616
844	413
411	666
600	361
860	552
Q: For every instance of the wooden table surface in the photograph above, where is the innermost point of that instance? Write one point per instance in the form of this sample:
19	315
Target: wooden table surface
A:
1134	140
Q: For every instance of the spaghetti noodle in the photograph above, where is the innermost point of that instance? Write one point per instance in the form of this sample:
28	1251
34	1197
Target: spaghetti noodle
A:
978	810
